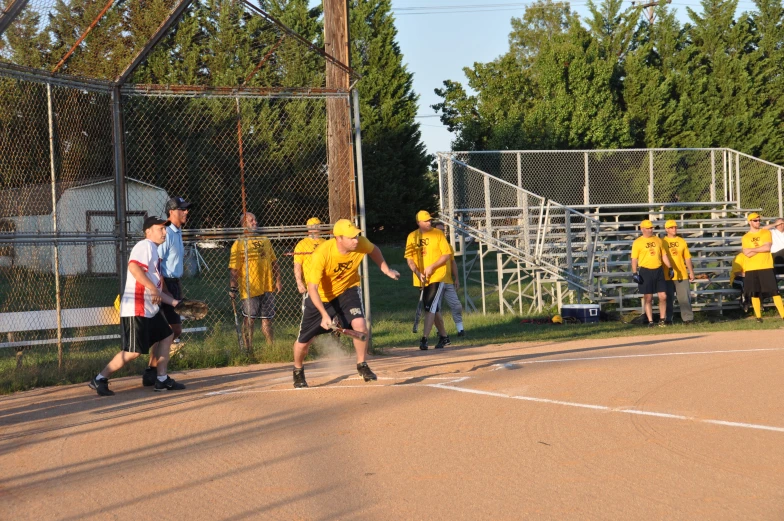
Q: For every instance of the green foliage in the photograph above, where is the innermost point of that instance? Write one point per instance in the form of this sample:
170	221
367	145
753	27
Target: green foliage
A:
615	81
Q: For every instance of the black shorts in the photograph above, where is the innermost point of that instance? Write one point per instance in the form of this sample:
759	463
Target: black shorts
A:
260	306
652	281
173	285
347	306
760	283
431	298
141	333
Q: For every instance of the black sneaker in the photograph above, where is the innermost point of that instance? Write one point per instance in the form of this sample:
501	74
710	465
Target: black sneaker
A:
461	333
101	386
442	341
668	322
168	385
759	320
149	376
299	378
423	343
662	323
365	372
651	324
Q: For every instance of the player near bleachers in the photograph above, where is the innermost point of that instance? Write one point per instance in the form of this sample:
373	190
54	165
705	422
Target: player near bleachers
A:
737	276
647	259
777	247
678	278
760	281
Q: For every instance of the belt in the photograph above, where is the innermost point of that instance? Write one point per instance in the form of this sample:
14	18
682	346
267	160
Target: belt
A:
173	279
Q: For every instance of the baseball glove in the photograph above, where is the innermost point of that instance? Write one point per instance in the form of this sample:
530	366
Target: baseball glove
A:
637	278
191	309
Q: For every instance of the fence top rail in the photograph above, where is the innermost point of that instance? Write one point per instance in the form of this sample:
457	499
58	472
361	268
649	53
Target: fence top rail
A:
712	205
231	92
758	160
571	210
594	150
20	72
497	180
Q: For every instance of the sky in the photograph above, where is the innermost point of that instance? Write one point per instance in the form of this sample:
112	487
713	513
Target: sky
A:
437	46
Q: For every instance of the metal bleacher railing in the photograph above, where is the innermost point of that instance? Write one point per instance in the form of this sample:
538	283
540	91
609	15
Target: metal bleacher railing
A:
562	223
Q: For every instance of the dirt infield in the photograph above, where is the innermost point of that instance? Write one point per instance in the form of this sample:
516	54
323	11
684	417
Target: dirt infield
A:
682	426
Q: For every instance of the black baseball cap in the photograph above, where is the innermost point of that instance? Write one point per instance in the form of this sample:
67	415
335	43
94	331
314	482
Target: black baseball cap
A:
152	220
177	203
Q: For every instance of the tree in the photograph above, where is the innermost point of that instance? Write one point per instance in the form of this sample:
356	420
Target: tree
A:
396	165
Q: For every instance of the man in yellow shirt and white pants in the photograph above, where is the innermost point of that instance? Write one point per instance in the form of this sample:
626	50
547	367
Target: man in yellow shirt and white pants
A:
647	262
427	253
677	252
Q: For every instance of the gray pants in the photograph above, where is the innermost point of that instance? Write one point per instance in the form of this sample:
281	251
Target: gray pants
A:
681	287
450	296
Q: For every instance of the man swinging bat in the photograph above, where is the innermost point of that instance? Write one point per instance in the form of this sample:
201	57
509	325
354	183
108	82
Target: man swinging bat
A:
334	291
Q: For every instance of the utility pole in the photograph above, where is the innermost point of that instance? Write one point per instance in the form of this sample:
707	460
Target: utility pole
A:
340	155
649	7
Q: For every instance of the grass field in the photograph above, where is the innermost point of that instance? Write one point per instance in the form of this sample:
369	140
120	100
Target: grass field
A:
392	305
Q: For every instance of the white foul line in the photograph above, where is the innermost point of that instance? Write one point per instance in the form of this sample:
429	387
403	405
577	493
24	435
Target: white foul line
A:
583	359
625	410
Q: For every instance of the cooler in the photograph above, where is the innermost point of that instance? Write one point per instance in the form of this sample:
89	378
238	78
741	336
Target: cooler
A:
586	313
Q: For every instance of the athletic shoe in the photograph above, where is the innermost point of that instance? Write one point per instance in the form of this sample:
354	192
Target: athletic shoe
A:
442	341
423	343
168	385
101	386
299	378
688	322
461	333
663	323
365	372
759	320
149	376
651	324
668	322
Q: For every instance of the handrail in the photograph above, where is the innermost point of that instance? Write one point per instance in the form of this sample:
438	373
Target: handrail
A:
494	178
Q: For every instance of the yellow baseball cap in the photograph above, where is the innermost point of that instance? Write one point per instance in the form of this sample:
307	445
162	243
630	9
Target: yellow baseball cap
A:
670	224
423	215
557	319
313	221
646	224
753	215
345	228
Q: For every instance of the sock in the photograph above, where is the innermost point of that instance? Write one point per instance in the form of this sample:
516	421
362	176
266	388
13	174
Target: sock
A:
779	305
100	377
162	378
151	369
755	302
459	326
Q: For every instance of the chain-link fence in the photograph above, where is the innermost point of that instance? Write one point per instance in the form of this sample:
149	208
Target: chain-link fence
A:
600	177
216	102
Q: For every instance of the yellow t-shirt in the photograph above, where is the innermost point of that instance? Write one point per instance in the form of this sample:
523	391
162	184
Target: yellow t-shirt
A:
303	251
648	252
738	266
260	259
334	272
677	251
425	248
760	261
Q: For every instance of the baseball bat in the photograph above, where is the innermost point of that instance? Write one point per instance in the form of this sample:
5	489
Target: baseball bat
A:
237	325
418	312
349	332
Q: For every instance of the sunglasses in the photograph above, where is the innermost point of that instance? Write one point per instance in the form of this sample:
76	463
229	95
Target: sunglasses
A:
755	220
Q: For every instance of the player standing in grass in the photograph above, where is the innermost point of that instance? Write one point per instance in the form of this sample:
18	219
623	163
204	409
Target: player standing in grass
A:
143	323
760	280
677	252
647	258
427	253
258	286
302	253
172	255
451	289
334	292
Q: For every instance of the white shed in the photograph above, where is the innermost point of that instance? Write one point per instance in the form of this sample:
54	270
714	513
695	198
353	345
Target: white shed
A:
81	207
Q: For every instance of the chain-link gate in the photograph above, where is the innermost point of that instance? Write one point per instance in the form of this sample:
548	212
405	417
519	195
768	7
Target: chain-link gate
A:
105	119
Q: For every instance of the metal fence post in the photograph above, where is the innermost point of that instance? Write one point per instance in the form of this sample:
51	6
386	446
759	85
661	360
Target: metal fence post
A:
362	217
713	177
450	187
58	305
650	176
737	177
586	185
120	227
781	206
724	170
